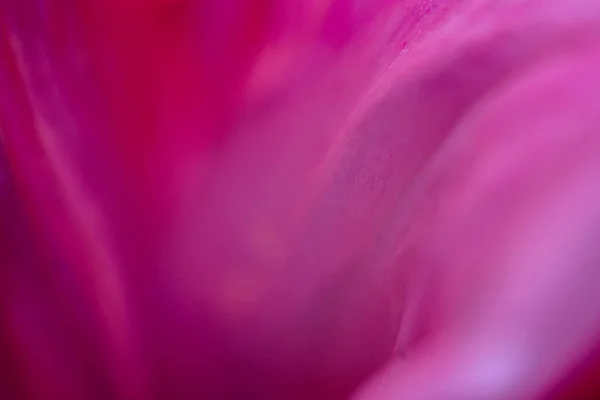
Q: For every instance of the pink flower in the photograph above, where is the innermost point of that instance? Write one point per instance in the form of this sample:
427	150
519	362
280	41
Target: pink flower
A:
268	199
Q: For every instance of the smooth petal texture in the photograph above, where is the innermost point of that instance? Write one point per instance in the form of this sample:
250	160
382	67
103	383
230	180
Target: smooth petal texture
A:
272	199
163	165
500	230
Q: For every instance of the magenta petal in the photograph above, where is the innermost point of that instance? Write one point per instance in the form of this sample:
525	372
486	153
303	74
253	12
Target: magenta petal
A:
262	199
163	169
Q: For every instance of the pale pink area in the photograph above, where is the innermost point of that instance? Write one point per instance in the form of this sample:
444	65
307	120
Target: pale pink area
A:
275	199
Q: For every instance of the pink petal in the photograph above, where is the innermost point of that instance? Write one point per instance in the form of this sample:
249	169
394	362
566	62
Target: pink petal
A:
263	199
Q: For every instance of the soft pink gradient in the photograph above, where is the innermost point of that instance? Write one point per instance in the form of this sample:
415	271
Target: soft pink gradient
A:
262	199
